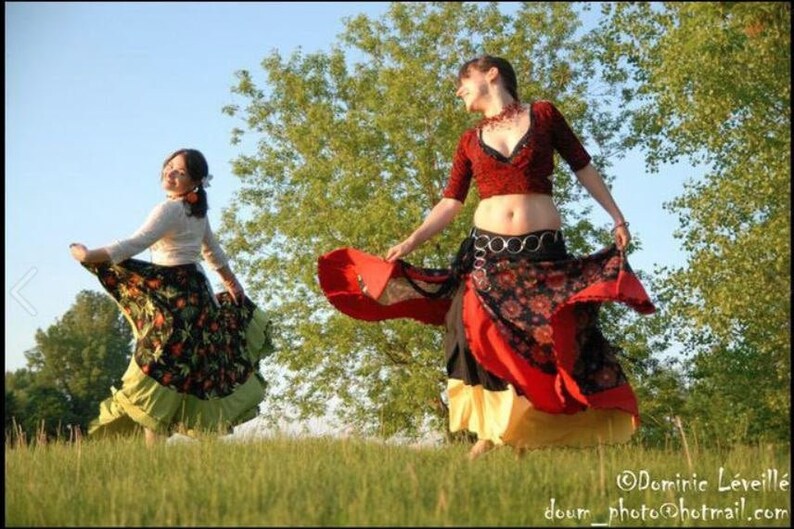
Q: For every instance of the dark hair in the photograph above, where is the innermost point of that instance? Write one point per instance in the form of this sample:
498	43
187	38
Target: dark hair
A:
484	63
197	170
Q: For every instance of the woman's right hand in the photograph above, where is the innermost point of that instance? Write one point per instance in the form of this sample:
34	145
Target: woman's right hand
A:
79	251
399	251
441	215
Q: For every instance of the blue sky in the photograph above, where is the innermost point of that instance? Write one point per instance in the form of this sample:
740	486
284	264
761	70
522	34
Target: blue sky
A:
97	94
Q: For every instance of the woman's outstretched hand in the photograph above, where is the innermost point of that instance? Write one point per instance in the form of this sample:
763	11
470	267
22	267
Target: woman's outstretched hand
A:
622	236
79	251
399	251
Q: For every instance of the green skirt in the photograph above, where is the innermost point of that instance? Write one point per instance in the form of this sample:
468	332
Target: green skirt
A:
196	358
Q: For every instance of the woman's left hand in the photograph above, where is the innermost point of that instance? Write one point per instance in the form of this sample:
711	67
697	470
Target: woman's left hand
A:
622	236
234	288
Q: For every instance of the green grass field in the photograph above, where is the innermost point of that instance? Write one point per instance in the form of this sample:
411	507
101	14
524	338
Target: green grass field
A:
339	482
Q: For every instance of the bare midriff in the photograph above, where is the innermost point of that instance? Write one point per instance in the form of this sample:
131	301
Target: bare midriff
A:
517	214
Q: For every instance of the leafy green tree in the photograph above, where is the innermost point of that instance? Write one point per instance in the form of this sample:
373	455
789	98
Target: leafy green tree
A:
18	387
75	362
657	377
711	82
11	407
47	411
33	408
353	148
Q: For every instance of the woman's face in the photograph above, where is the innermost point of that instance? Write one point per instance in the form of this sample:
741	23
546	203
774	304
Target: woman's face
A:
472	86
175	178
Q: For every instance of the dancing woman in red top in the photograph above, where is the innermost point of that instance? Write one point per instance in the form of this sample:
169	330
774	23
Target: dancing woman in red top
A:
527	365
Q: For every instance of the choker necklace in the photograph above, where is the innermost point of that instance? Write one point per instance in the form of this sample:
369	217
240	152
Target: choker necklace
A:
508	112
191	197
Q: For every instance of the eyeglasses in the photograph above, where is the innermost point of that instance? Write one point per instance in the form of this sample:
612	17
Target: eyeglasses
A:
168	170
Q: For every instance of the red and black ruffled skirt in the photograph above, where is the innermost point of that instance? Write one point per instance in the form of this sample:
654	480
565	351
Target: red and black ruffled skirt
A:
527	364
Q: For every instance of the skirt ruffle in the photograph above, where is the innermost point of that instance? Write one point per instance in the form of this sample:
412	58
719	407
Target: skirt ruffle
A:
369	288
196	358
505	417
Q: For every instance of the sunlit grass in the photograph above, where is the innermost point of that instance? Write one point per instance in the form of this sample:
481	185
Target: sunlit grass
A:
325	481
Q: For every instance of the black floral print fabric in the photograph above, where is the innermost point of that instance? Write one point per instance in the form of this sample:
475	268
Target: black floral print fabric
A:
185	340
521	295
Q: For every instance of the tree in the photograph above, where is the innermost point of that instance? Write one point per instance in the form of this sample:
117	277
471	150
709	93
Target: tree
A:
33	407
711	82
16	384
11	410
74	363
353	149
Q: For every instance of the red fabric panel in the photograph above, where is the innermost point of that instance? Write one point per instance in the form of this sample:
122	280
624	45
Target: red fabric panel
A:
339	272
626	289
553	393
492	352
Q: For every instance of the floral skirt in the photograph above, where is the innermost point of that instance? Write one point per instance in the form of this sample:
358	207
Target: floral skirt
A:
526	362
196	358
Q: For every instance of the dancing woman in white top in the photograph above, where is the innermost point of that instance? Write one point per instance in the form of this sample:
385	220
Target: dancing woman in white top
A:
196	358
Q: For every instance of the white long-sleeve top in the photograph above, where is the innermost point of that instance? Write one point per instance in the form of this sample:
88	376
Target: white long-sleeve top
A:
174	238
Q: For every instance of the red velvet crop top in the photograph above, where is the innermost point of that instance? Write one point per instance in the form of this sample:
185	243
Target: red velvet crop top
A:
528	169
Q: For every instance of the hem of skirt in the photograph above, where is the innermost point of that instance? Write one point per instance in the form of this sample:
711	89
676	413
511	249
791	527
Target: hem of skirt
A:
141	395
498	441
506	418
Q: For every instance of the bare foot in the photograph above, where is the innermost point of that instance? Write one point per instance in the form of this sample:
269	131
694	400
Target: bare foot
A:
480	447
151	437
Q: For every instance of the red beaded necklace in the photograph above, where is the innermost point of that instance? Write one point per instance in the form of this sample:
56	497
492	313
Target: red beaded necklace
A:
508	112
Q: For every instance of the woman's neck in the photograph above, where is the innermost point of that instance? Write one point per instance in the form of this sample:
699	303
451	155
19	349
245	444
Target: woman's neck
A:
174	196
497	105
506	115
